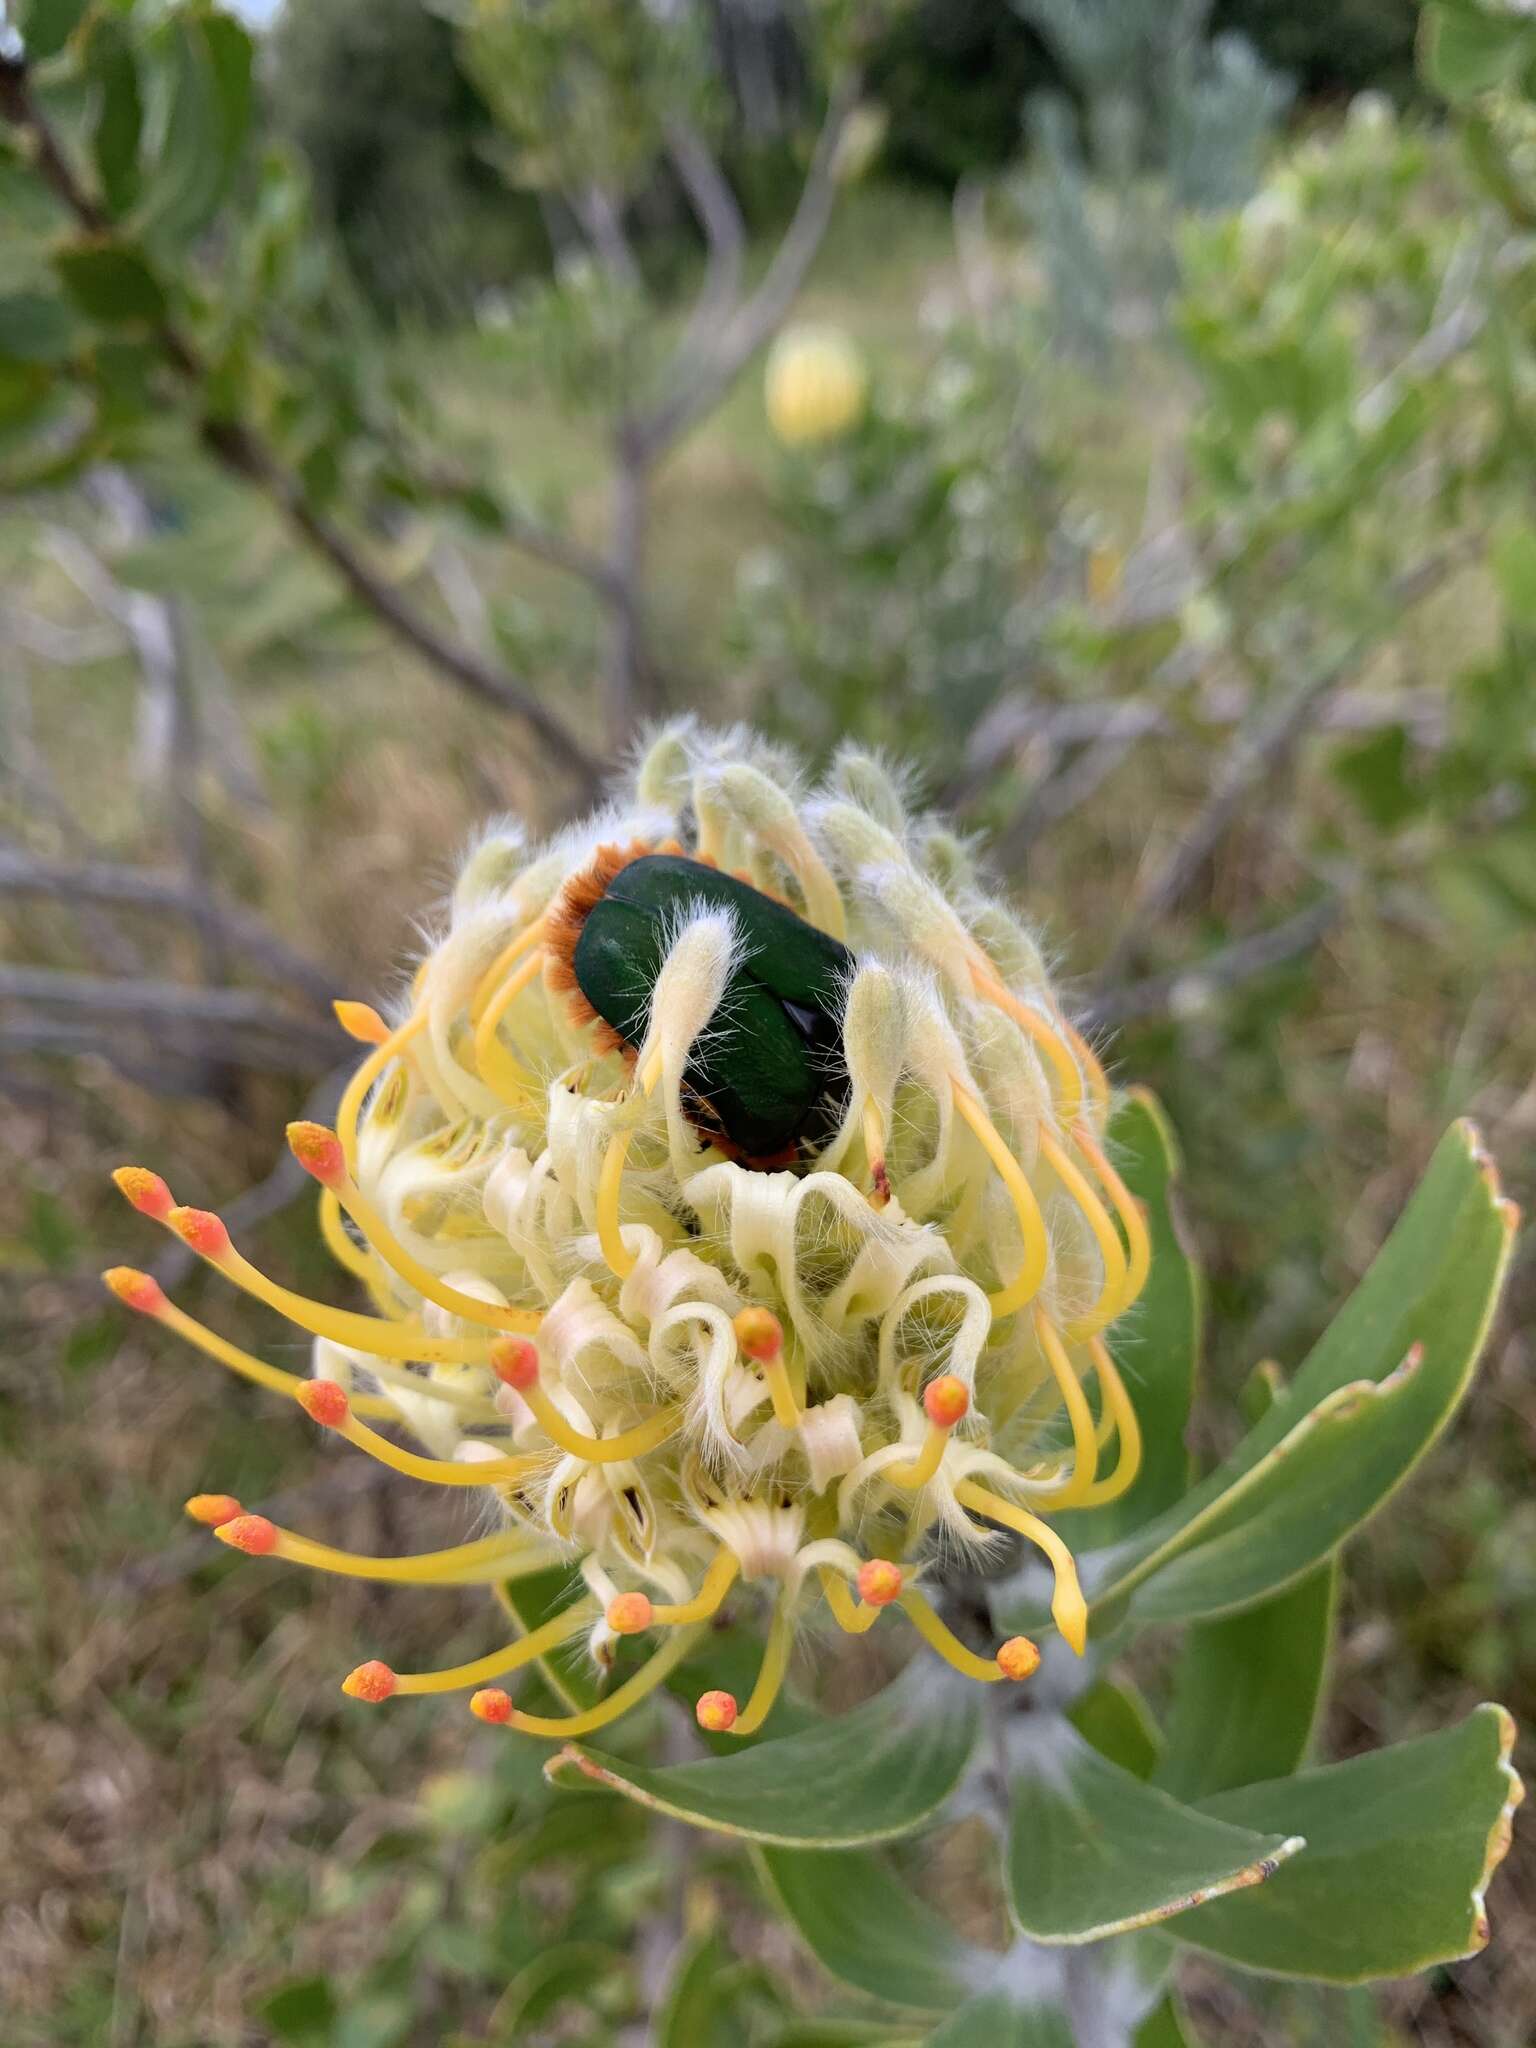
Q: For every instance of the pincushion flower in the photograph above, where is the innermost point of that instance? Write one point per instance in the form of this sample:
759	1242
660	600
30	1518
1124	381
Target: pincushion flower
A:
731	1198
815	386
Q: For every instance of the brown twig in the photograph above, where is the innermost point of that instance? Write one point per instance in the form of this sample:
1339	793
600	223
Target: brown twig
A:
142	889
1229	967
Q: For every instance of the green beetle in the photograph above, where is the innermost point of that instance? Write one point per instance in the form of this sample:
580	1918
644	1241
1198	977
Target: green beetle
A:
770	1073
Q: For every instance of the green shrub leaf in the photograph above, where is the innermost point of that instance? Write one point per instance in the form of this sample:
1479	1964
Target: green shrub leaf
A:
866	1776
1376	1392
112	284
1094	1852
1247	1691
1400	1848
862	1923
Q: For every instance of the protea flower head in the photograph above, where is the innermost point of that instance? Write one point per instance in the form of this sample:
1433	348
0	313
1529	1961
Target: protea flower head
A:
731	1197
815	386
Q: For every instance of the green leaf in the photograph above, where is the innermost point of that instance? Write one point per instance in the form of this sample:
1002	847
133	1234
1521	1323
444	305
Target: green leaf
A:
1464	51
863	1924
867	1776
34	328
119	112
1164	2028
1094	1852
998	2021
47	25
571	1971
112	284
204	66
1113	1718
1375	772
1512	558
1248	1689
1375	1394
304	2011
711	1999
1158	1353
1400	1849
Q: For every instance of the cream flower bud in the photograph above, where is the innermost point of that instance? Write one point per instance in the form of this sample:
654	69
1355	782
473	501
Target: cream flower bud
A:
494	863
689	987
874	1033
867	781
661	780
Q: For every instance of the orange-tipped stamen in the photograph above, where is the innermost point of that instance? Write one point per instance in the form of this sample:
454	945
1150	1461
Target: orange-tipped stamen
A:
324	1401
141	1292
495	1065
1085	1440
213	1509
717	1582
617	1256
318	1151
1058	1053
505	960
618	1703
760	1338
946	1400
253	1534
1096	1216
1068	1607
373	1682
517	1363
489	1560
212	1345
572	1621
772	1671
629	1614
352	1258
491	1704
360	1021
880	1582
943	1639
1026	1283
1018	1658
1132	1215
851	1618
716	1712
350	1106
374	1335
145	1190
438	1471
1121	1410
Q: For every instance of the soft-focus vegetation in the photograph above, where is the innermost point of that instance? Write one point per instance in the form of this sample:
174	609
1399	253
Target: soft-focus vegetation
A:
1185	541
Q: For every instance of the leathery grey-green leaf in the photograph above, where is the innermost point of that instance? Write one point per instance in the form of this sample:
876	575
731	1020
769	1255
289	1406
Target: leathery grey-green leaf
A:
865	1776
864	1925
1401	1846
1093	1851
1376	1392
1247	1690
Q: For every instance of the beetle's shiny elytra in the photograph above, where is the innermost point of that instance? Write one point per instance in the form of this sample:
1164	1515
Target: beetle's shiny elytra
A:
769	1073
